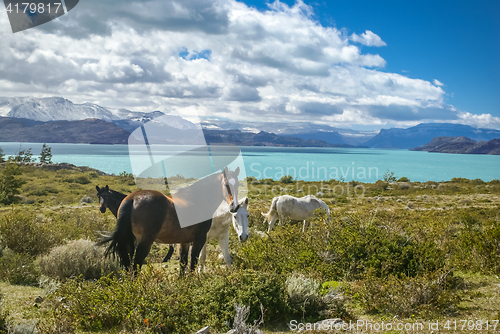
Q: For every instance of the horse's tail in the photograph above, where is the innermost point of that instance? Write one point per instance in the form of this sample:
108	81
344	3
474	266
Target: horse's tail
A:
122	240
272	209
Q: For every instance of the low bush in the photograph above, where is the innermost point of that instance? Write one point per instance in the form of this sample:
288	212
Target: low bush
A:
77	258
476	247
286	179
344	248
156	301
303	292
422	296
18	268
26	233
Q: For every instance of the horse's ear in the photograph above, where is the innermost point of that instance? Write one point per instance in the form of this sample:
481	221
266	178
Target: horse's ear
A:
237	171
107	188
246	200
225	172
97	188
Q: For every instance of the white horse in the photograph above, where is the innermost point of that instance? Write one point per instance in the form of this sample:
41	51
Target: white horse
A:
287	206
221	221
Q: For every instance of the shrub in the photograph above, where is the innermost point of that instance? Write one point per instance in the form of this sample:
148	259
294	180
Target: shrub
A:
25	233
3	318
156	301
476	247
78	257
389	176
286	179
303	292
403	179
10	185
422	296
18	268
240	321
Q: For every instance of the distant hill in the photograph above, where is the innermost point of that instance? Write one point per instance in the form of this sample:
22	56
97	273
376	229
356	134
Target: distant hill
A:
461	145
262	138
89	131
423	133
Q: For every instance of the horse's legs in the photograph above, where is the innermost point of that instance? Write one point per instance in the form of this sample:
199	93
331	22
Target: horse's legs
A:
199	241
169	254
141	252
184	256
203	256
271	222
305	226
224	247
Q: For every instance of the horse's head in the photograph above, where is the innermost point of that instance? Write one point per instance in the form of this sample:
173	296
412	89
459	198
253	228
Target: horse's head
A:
103	195
230	186
240	220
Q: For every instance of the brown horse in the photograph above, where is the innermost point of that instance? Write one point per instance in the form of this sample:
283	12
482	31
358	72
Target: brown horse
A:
146	216
110	199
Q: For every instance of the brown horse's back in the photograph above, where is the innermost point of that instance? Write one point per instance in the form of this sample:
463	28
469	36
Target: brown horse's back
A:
154	218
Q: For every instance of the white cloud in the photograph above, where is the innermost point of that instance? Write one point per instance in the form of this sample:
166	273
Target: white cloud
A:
218	58
436	82
368	38
480	121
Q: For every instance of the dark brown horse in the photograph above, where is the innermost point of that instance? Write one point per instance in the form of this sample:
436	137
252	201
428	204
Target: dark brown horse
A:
110	199
146	216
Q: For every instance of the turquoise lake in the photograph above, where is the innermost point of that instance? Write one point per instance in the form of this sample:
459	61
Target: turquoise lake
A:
311	164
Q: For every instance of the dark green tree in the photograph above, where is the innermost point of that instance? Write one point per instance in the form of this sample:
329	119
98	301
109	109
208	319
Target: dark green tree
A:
10	184
46	155
2	156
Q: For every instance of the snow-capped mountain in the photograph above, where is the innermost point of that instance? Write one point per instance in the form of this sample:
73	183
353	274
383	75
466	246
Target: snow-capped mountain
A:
52	109
60	109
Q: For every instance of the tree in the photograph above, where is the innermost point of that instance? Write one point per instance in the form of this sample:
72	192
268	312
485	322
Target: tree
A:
389	176
23	156
46	155
2	156
9	184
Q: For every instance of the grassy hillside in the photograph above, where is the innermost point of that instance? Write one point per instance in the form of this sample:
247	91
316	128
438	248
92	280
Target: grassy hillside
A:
404	252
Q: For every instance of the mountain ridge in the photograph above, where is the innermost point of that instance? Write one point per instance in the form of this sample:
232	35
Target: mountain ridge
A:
461	145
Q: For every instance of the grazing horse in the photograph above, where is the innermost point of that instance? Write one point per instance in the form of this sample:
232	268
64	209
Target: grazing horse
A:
110	199
146	216
287	206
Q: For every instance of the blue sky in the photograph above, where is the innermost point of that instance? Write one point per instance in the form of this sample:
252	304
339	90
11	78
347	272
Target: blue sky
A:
352	64
456	42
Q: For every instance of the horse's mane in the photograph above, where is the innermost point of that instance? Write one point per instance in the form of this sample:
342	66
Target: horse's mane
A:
118	194
186	193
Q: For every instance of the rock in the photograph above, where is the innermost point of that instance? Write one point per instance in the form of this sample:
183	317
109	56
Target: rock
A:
320	193
419	198
204	330
433	186
380	199
399	200
404	185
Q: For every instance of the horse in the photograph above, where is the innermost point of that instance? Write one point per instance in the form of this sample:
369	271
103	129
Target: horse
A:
110	199
287	206
146	216
220	229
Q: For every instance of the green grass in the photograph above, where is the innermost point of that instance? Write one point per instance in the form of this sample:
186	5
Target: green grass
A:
429	250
